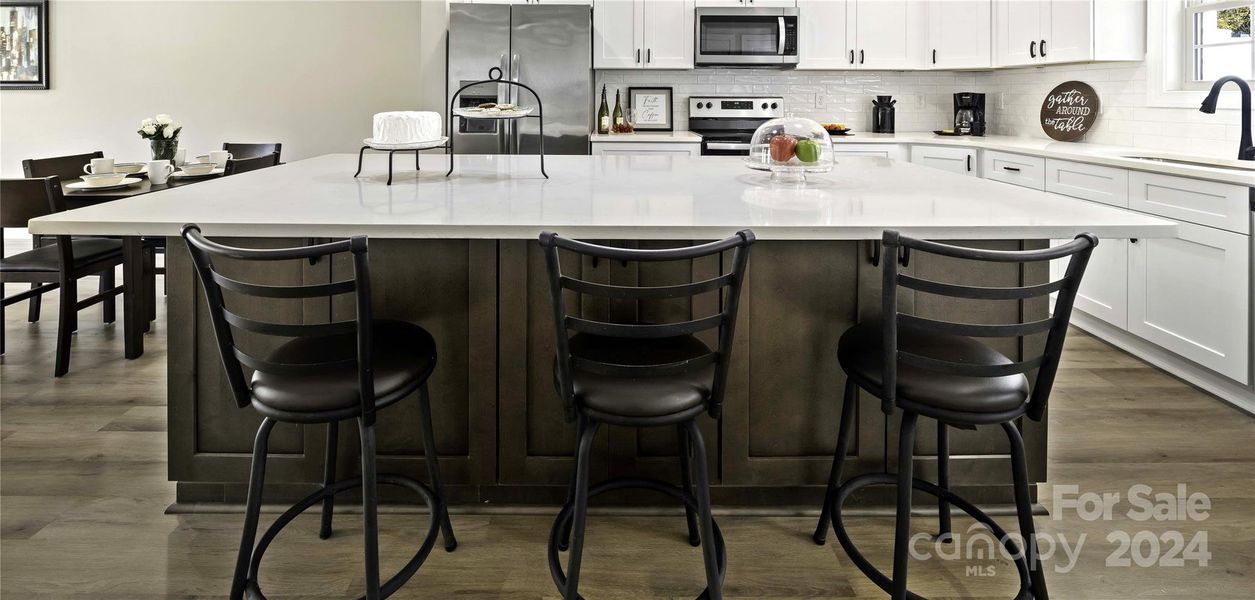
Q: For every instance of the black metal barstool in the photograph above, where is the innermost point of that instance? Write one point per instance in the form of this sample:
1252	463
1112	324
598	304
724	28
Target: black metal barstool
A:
642	375
326	373
936	369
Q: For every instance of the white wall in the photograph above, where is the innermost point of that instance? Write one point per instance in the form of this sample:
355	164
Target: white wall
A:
307	74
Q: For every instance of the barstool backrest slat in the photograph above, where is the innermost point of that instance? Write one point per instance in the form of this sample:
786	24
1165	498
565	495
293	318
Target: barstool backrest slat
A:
235	359
1055	327
723	320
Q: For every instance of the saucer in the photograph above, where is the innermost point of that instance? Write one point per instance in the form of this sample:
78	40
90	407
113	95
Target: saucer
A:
81	186
436	143
180	174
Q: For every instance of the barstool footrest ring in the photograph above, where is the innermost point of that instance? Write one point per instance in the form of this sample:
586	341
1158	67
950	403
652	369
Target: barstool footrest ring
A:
619	483
885	583
253	592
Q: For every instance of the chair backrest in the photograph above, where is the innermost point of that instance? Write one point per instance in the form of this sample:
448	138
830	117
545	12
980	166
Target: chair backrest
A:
226	320
244	165
25	199
65	167
1076	251
240	151
724	319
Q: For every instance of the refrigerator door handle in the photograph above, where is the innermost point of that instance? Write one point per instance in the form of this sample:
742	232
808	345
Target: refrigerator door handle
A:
516	66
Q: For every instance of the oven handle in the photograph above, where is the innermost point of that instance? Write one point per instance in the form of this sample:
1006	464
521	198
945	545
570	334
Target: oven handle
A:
727	145
780	45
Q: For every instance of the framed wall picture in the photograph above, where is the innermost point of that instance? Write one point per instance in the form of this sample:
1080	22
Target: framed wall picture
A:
23	44
651	108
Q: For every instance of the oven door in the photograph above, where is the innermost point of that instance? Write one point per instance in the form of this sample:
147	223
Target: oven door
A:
746	36
716	146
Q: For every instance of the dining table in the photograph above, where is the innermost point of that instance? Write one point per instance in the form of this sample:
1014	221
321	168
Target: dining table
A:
137	315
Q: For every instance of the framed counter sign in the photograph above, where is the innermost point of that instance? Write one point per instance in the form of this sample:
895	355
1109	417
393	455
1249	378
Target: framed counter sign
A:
24	44
1069	111
651	108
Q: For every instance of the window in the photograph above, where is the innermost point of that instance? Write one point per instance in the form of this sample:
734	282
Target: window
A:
1217	41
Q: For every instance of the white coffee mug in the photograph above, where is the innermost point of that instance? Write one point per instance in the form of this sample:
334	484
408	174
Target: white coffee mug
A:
99	166
159	171
220	157
180	157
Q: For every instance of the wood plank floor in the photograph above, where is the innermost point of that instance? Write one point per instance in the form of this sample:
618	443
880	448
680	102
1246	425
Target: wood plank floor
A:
83	491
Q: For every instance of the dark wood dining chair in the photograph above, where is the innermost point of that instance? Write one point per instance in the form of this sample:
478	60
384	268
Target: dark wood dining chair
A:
58	264
65	168
240	151
235	166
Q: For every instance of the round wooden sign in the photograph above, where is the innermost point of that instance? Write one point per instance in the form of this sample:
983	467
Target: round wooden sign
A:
1069	111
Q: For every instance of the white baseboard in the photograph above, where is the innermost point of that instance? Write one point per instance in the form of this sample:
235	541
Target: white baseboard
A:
1231	392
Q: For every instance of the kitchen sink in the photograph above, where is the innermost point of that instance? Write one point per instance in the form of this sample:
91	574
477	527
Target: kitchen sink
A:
1192	163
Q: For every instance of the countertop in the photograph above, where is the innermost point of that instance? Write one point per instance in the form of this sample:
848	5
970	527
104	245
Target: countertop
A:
602	197
1112	156
682	137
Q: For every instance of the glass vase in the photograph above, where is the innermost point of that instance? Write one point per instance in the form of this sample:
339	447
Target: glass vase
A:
164	149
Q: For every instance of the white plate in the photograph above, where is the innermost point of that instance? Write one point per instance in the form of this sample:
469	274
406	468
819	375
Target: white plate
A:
81	186
410	146
180	174
513	113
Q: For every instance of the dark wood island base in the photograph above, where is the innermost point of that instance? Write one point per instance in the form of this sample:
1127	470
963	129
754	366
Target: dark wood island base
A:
502	437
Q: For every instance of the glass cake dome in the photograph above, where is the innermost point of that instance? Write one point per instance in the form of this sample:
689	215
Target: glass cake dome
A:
789	148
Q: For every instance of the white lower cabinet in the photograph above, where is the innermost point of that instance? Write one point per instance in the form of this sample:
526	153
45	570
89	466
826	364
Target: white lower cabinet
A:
1191	296
1104	290
893	151
654	148
956	160
1015	169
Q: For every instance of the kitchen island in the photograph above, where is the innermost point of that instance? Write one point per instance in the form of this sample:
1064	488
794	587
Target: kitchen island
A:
459	256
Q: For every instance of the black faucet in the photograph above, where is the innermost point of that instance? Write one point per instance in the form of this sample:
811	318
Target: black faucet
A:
1246	150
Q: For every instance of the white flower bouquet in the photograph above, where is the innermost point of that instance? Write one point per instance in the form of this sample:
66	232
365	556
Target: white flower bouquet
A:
160	127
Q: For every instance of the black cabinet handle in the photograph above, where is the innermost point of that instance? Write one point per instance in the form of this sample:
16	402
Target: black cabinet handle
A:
934	56
1032	49
1012	169
851	57
1133	240
1043	48
969	163
860	57
638	55
649	55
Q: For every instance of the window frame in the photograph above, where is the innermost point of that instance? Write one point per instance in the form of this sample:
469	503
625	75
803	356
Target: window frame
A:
1189	45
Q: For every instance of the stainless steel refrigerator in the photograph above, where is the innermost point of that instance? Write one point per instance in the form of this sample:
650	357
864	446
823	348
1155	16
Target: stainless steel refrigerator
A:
547	47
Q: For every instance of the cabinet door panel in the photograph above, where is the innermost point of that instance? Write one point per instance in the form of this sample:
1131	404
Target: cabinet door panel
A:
1018	31
823	41
668	34
959	33
1068	31
1104	290
888	33
1191	295
616	34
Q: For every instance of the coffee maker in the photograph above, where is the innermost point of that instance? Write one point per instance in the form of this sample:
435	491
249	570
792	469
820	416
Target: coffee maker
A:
969	113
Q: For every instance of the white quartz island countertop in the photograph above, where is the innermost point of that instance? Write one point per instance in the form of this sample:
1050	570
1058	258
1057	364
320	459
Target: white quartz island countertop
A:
601	197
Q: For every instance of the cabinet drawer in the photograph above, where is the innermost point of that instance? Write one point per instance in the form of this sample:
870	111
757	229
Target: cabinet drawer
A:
1191	295
891	151
655	148
1017	169
955	160
1090	182
1220	205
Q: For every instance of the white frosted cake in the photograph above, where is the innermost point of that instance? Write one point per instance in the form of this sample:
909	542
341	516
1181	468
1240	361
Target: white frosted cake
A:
407	127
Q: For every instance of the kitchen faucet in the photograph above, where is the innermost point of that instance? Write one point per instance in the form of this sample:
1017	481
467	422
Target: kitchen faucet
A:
1246	151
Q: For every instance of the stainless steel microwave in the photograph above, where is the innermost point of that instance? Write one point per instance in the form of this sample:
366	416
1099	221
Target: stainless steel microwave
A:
746	37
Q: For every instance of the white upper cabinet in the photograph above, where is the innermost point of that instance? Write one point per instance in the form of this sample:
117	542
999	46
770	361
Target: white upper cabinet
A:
668	34
960	34
749	3
887	34
822	41
643	34
1031	32
617	34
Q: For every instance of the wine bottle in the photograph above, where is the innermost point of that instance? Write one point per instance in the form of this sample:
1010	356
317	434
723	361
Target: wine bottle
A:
603	114
619	122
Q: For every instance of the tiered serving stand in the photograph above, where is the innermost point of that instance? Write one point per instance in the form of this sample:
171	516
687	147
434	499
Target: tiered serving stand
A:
494	76
371	144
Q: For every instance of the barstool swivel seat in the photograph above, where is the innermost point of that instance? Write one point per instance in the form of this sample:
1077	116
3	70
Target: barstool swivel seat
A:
325	373
936	369
642	375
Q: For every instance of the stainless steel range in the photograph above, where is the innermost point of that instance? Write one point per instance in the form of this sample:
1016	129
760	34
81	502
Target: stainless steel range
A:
726	123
